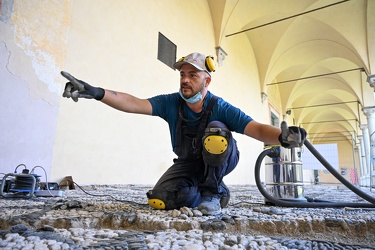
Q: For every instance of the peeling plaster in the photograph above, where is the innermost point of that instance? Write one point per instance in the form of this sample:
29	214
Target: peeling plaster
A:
41	41
41	38
45	68
36	44
20	65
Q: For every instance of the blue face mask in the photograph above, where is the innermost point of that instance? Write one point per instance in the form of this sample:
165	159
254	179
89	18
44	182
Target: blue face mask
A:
196	98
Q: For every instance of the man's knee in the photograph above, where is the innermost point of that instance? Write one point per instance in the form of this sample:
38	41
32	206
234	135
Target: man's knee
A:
216	143
162	199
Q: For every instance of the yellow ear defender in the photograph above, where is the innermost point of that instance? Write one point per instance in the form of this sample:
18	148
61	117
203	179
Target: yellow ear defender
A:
210	63
181	59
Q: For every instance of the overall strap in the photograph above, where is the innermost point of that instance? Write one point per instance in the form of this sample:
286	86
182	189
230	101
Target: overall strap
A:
203	124
196	144
178	138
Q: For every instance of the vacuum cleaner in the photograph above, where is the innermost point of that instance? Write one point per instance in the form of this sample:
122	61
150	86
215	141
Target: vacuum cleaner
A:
284	183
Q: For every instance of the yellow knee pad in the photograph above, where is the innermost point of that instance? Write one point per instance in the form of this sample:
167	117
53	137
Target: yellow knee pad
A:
215	144
156	203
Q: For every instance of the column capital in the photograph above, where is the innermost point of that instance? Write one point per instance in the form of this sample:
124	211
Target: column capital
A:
221	54
369	110
363	126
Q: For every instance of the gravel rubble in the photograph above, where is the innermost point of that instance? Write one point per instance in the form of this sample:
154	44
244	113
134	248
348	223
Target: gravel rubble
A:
91	219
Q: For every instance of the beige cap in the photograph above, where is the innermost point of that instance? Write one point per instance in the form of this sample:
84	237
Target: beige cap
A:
198	60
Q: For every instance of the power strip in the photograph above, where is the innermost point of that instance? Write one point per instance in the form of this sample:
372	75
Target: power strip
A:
50	193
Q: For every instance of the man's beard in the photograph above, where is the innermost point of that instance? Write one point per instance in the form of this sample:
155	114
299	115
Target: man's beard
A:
192	94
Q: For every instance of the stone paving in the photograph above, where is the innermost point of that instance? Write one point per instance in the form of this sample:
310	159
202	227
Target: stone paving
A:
118	217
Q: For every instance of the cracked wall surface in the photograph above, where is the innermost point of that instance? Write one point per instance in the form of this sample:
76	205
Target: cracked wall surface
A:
29	87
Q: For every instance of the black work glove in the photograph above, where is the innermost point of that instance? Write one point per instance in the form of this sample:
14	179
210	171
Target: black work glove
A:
79	89
292	136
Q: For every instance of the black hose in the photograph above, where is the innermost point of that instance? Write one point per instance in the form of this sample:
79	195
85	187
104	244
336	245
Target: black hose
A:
333	171
284	203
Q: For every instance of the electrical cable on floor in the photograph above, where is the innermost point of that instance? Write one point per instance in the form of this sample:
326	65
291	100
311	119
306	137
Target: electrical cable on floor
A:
133	203
245	202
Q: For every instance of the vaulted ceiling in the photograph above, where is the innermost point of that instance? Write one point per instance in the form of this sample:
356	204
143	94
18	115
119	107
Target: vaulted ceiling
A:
317	53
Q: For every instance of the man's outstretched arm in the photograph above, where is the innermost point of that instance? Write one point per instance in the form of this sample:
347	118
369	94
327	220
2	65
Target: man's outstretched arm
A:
263	132
288	137
126	102
76	88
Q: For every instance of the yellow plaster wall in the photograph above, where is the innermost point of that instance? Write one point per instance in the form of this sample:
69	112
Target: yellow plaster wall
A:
346	160
113	44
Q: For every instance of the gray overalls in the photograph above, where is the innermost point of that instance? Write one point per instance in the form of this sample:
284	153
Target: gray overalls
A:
195	172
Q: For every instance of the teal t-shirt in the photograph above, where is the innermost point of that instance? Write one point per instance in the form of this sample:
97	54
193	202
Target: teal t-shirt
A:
167	107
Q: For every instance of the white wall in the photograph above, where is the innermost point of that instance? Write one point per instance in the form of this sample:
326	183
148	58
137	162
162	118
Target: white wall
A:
29	94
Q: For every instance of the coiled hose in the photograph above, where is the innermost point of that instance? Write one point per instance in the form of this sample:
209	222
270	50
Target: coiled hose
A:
283	203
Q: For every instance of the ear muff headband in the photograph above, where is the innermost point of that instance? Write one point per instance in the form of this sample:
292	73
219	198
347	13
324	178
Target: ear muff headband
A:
210	64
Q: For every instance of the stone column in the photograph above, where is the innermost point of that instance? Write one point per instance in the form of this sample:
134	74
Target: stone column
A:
366	142
354	160
362	159
370	115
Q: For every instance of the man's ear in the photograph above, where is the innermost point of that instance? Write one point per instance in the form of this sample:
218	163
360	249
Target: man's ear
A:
208	81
